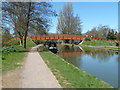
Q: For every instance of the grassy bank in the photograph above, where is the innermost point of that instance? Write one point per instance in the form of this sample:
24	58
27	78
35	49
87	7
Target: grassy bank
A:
108	45
12	61
93	42
13	54
69	76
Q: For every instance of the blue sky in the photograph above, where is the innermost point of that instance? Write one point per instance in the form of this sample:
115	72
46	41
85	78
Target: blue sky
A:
91	14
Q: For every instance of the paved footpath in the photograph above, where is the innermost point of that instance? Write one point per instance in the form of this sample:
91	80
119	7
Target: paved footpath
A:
36	74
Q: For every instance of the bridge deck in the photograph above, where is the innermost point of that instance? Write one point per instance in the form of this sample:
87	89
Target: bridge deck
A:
64	36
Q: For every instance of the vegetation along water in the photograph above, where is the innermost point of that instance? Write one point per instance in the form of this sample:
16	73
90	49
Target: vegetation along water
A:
100	63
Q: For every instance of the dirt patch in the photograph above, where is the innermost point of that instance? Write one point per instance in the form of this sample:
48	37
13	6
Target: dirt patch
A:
34	74
61	77
57	73
11	79
66	82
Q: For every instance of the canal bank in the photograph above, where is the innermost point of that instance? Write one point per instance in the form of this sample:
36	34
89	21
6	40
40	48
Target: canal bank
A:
100	63
70	76
109	48
112	48
106	45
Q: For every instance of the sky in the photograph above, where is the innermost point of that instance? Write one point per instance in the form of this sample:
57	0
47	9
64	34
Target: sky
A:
92	14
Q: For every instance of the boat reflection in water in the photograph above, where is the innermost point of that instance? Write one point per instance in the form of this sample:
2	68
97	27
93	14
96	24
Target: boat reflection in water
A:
52	47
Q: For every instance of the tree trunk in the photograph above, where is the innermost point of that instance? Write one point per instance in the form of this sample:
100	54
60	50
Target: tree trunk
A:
21	42
24	44
28	18
117	44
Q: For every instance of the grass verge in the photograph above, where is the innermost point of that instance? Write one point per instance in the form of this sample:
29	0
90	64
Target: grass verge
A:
12	61
107	47
93	42
70	76
14	54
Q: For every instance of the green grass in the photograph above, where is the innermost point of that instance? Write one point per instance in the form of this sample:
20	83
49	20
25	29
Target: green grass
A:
12	60
16	43
107	47
30	43
70	76
98	43
12	43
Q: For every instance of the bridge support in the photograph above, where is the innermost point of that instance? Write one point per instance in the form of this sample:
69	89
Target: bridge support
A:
81	41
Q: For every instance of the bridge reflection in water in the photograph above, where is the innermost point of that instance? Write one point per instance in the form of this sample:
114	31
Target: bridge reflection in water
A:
75	50
70	53
69	50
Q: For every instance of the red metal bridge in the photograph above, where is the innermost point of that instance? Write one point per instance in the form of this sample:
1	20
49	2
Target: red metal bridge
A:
64	36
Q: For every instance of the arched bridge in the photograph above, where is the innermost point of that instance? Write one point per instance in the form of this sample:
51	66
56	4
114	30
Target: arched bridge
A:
64	36
57	36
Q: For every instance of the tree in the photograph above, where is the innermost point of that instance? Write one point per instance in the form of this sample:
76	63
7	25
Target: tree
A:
99	32
16	16
111	34
67	22
118	36
93	32
5	37
103	31
28	16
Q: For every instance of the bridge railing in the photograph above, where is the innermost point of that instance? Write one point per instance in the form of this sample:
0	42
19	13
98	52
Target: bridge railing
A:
63	36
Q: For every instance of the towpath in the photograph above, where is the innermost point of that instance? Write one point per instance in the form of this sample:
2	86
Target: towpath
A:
36	74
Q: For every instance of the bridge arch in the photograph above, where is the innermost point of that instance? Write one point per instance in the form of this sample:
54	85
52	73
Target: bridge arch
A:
65	36
57	36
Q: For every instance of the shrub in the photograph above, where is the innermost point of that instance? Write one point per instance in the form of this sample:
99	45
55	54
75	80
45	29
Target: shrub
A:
8	49
43	48
87	39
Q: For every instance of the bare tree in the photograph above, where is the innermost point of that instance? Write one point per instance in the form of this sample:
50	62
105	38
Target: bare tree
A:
28	16
5	36
67	22
13	13
99	32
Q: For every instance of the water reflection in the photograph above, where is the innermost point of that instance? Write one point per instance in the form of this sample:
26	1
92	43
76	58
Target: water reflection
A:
100	63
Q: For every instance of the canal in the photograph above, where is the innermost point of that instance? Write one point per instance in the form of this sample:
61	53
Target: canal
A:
100	63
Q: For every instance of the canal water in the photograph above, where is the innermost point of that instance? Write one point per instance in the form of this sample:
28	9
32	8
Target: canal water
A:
100	63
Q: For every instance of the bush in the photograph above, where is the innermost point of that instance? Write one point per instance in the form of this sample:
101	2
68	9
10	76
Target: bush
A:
87	39
8	49
43	48
37	42
11	49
